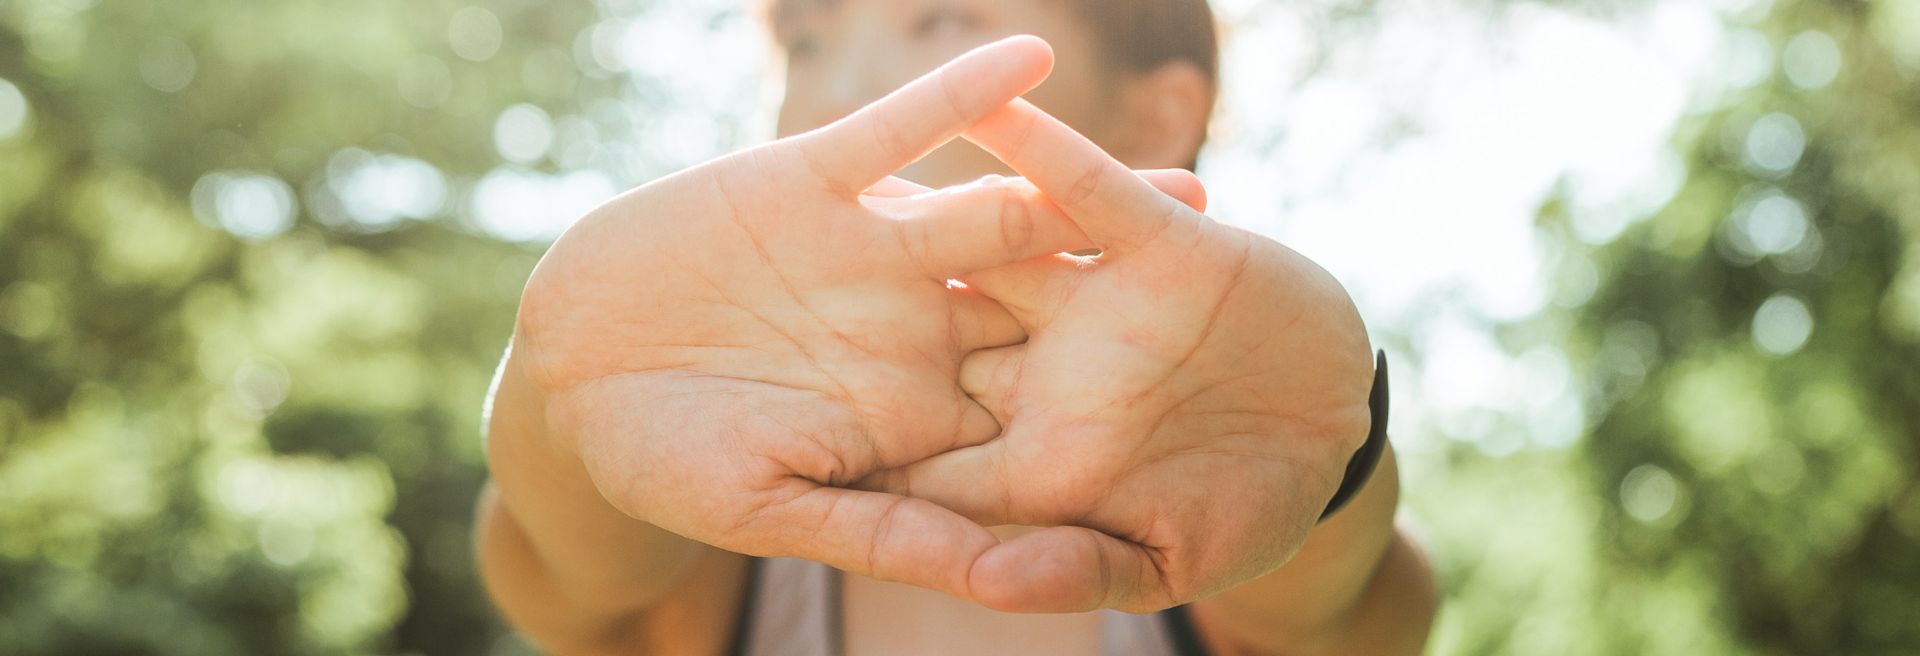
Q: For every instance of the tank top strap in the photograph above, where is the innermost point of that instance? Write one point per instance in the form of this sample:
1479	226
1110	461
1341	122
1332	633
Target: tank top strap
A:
791	608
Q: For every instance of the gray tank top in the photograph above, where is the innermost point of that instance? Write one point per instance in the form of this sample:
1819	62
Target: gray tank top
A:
792	608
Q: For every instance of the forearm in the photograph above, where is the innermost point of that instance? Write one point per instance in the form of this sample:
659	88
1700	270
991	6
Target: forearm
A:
1358	586
562	564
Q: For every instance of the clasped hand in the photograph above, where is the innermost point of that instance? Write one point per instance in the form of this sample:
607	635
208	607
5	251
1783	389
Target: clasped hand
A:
768	353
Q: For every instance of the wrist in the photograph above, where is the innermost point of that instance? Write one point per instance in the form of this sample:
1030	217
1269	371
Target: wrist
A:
1323	584
590	549
523	451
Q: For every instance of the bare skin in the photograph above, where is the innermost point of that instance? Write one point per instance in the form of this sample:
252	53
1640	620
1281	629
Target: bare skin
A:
709	354
1189	350
571	565
1357	585
721	360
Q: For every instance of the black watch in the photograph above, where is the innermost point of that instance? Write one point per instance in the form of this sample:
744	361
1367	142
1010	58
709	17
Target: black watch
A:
1360	466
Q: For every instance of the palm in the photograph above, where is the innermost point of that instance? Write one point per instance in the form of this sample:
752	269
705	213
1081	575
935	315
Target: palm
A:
1134	388
1193	392
723	346
751	281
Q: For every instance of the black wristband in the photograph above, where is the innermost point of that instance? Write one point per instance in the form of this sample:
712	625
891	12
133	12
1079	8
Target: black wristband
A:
1360	467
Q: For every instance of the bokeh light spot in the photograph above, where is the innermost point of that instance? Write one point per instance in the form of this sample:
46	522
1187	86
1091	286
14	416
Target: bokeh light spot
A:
247	487
1782	325
1649	494
523	133
1811	60
261	385
13	110
168	65
519	205
1769	222
378	190
1747	60
475	34
1775	144
248	205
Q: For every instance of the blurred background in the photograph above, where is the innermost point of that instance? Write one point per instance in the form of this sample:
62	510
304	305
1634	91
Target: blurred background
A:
1650	273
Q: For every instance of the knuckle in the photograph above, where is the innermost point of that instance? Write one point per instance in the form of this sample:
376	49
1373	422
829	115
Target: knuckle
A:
1086	184
888	136
883	529
956	102
1016	222
1028	126
809	155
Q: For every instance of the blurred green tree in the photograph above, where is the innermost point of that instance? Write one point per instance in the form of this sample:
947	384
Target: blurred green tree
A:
1752	351
245	321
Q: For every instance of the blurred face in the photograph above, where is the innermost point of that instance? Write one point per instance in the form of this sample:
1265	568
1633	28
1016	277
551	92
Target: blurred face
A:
843	54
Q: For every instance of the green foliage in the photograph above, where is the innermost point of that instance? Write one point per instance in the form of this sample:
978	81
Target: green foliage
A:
221	445
1752	354
1749	481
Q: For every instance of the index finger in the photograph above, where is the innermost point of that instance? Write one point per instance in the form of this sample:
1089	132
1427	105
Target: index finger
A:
855	152
1113	205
